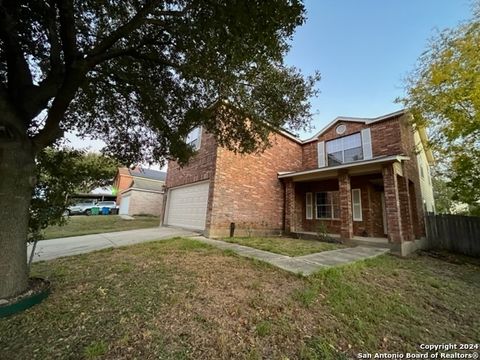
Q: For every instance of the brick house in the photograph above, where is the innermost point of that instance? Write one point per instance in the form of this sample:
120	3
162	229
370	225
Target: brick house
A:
360	179
139	191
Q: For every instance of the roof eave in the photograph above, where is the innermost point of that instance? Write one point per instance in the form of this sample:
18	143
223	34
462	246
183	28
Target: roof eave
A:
394	158
354	119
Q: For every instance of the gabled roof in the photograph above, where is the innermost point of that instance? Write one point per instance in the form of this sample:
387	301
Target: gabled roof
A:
355	119
148	173
146	184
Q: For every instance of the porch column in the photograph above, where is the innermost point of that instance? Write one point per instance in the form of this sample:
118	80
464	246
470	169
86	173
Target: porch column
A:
392	205
346	218
289	206
406	209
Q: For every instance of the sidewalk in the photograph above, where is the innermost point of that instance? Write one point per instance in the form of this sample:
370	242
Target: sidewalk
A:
304	265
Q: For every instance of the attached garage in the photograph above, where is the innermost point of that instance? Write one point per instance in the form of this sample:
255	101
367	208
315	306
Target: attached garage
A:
187	206
124	205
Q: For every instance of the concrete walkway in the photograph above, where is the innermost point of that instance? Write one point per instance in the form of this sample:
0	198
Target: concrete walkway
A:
304	265
55	248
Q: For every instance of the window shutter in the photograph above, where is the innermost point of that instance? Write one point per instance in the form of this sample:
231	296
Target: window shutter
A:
308	206
357	204
321	153
367	144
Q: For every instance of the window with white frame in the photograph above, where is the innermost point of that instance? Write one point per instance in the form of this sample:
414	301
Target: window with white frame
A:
344	150
309	206
357	204
194	137
327	205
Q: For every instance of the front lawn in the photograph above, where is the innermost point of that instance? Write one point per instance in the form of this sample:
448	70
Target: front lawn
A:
285	246
184	300
95	224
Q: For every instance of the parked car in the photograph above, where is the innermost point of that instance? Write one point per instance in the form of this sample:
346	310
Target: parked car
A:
111	205
83	208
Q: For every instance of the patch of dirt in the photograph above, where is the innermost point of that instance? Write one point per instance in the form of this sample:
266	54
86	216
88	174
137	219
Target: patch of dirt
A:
451	258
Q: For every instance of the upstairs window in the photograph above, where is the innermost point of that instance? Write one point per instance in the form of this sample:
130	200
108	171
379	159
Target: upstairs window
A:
193	138
344	150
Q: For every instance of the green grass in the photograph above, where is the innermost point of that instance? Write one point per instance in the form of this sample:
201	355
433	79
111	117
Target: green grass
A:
181	299
285	246
84	225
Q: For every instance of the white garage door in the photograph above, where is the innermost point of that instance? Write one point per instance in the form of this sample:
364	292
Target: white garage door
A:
124	205
187	206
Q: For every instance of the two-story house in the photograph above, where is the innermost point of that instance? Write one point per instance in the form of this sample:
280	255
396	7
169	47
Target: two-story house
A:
360	178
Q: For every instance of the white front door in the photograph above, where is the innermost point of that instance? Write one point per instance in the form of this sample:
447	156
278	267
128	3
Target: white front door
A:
187	206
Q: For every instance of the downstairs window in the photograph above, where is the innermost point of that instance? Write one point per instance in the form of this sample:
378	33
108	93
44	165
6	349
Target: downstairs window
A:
327	205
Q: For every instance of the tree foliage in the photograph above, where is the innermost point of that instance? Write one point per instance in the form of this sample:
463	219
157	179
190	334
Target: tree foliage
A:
443	93
62	173
141	74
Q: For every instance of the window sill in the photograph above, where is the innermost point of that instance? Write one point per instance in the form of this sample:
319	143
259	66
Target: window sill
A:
328	219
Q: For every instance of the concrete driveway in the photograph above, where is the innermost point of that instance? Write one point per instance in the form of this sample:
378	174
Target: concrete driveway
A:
55	248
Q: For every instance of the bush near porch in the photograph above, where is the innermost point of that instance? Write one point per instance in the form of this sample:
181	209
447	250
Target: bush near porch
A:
180	299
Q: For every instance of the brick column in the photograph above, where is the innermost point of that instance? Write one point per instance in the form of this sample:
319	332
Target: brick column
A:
289	206
392	205
405	209
346	218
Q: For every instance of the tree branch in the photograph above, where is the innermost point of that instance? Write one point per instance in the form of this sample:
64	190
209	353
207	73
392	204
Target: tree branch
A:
48	87
123	30
67	30
52	131
19	76
55	46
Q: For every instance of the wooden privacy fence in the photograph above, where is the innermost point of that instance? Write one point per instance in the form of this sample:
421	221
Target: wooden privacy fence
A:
460	234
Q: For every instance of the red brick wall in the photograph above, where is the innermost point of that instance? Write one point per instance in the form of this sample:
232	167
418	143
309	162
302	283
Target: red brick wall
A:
122	182
309	156
386	137
200	167
247	190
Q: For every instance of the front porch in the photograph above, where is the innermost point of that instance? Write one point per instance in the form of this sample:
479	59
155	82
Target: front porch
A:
368	202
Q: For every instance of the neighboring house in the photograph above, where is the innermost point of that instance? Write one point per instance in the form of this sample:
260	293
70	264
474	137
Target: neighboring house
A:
358	178
139	191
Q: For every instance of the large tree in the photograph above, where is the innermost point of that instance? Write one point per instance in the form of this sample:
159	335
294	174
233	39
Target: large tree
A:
138	74
443	93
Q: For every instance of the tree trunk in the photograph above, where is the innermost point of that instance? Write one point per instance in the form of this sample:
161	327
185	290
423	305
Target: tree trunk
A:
17	177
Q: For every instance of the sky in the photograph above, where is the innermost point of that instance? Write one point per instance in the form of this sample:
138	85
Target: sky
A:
363	50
